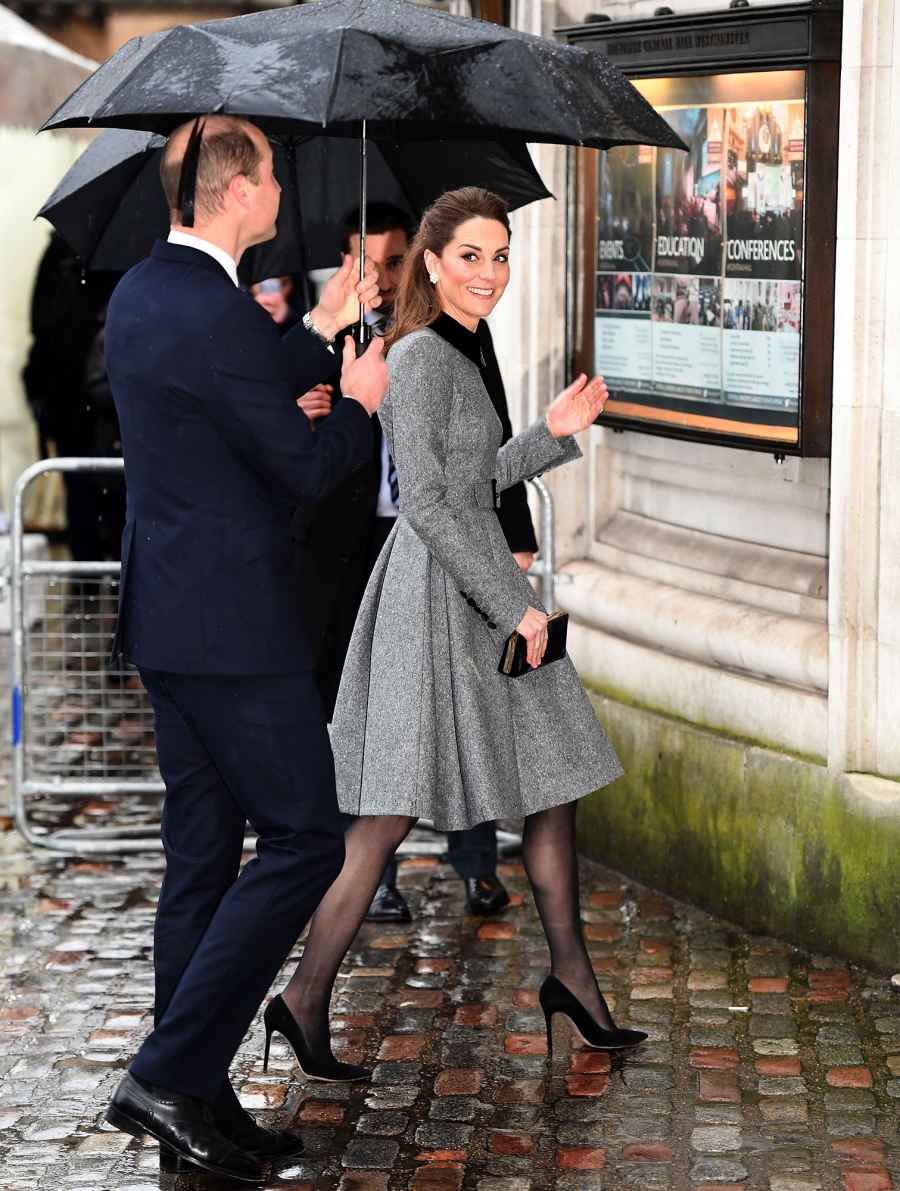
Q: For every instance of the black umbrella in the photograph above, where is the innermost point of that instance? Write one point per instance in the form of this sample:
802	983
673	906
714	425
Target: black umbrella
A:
110	207
383	69
407	71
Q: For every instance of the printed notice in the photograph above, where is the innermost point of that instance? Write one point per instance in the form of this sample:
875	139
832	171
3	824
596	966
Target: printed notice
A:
764	210
762	343
687	357
622	339
625	217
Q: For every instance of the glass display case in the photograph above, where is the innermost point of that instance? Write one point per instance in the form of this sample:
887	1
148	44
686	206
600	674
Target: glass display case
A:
705	278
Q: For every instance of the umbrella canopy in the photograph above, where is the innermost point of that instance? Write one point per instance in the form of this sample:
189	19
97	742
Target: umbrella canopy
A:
411	174
408	71
83	206
110	207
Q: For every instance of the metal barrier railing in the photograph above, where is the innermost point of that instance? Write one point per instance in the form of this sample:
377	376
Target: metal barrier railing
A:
544	566
80	729
84	730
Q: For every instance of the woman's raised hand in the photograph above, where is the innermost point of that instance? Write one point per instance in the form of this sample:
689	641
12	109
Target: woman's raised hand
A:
577	406
533	627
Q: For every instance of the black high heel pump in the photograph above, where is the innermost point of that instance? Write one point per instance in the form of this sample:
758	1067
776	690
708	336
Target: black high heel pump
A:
326	1068
556	998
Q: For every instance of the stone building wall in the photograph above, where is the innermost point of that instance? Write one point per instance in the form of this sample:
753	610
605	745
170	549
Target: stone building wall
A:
738	618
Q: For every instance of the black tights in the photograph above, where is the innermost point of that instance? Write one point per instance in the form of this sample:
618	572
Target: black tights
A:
370	844
551	862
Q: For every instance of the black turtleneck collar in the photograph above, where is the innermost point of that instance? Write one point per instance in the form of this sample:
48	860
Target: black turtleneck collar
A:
478	347
454	333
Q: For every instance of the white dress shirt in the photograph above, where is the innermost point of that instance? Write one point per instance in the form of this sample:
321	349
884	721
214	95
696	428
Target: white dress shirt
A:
213	250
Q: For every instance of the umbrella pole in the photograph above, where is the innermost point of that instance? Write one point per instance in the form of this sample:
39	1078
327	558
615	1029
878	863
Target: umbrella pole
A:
363	191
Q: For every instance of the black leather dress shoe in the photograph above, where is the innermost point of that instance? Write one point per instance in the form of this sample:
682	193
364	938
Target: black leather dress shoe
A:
485	896
388	905
266	1145
184	1127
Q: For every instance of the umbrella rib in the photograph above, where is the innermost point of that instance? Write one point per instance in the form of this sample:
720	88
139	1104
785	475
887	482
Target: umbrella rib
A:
404	190
529	49
332	88
129	77
90	78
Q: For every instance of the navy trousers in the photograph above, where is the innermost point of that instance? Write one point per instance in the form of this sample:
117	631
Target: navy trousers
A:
233	750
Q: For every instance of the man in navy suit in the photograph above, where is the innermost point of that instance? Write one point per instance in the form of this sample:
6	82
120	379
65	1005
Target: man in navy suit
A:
217	456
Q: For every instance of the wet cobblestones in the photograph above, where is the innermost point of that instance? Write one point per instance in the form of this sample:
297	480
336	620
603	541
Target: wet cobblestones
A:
82	719
765	1068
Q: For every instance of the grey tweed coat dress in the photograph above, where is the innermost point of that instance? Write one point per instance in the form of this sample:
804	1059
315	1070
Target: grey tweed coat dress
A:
425	725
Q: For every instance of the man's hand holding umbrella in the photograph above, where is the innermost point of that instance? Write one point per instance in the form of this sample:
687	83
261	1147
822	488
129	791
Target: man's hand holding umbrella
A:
341	297
364	378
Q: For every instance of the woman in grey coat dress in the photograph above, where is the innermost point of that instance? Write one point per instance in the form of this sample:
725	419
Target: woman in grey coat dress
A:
425	725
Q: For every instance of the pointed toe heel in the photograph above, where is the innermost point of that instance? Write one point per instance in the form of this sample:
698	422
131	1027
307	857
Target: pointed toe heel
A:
325	1067
269	1031
555	998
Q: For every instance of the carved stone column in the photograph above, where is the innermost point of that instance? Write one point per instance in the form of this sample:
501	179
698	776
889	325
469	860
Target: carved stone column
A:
864	605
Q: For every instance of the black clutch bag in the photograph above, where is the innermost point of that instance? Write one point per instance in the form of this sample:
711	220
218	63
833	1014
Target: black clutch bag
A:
513	660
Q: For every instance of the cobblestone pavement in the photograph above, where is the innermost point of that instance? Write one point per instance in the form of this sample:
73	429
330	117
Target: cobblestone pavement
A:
766	1068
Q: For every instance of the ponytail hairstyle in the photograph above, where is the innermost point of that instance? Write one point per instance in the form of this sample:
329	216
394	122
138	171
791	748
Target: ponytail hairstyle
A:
417	304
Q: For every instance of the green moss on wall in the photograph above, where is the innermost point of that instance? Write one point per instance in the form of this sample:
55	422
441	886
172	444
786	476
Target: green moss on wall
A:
773	842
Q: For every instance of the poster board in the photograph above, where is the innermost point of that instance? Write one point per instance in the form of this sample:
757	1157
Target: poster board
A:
698	266
699	286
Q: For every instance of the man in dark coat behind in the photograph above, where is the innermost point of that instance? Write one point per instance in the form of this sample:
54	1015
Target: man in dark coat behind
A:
63	385
344	536
216	457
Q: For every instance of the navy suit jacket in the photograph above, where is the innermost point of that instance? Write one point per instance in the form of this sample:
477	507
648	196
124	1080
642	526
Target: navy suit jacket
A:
217	456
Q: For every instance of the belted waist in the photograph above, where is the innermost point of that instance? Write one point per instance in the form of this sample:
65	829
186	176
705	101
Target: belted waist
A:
483	494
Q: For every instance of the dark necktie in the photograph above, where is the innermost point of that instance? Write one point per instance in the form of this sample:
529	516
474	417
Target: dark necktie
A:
393	482
379	327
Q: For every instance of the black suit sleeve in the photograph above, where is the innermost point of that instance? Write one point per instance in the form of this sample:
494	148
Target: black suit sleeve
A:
258	376
306	359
